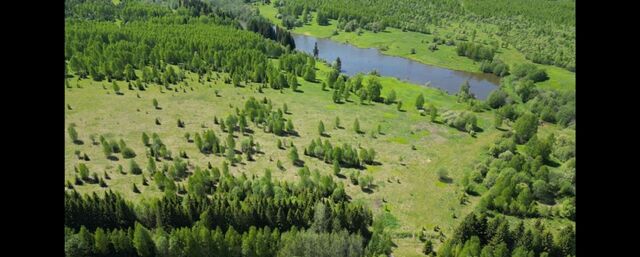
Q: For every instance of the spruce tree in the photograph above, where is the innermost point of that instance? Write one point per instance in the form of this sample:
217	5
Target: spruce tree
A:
142	241
135	189
420	102
321	128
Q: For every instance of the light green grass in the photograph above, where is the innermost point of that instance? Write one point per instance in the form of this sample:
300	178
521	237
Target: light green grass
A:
418	200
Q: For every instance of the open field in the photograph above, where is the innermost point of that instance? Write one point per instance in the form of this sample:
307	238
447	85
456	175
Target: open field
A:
407	184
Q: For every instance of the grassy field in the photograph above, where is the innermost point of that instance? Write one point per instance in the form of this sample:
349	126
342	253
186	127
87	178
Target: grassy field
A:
399	43
407	184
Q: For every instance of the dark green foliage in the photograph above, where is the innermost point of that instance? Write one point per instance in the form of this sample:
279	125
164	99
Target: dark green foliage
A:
134	168
145	139
346	155
356	126
497	99
526	90
479	236
420	102
73	134
477	52
391	98
128	153
464	121
321	128
428	247
495	66
83	171
102	183
525	127
374	87
92	211
135	189
529	71
465	92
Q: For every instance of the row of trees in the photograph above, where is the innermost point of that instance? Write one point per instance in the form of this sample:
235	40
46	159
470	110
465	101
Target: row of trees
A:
345	155
202	241
477	52
478	235
219	199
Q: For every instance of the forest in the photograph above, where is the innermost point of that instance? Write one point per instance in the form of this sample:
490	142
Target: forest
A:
544	31
195	128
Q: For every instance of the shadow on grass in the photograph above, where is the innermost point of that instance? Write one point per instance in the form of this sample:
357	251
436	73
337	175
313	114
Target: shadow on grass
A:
292	133
113	158
298	163
325	135
447	180
78	142
341	176
370	189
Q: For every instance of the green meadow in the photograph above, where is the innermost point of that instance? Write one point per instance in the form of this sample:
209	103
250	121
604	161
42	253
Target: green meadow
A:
406	182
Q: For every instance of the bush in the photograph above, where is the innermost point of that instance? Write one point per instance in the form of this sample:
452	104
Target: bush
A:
497	99
464	121
443	174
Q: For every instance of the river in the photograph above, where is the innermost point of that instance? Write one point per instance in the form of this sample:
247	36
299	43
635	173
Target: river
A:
364	60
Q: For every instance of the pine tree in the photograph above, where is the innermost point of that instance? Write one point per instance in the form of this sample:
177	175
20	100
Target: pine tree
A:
135	189
142	241
145	139
420	102
293	156
391	98
336	167
428	247
102	183
102	243
289	127
337	123
356	126
73	134
498	120
134	168
155	104
116	88
321	128
433	111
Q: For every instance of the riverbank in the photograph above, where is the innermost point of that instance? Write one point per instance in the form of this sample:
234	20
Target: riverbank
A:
396	42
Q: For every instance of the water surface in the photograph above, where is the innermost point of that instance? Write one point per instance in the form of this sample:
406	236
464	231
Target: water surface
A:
364	60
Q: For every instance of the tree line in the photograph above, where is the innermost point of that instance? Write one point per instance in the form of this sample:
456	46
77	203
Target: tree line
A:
518	22
478	235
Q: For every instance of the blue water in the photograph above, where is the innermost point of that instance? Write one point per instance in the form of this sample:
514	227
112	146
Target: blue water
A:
364	60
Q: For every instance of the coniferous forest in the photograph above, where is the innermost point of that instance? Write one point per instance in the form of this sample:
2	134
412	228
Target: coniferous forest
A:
200	128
